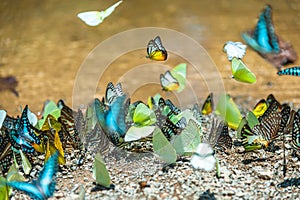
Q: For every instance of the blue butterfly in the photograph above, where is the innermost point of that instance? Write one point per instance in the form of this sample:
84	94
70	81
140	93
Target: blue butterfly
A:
294	71
20	132
112	118
44	186
264	39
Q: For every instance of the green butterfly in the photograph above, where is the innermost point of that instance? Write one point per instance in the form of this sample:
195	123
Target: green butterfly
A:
100	172
229	111
241	72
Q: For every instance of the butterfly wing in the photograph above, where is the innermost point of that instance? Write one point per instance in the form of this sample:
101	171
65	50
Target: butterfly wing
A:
46	180
168	82
28	188
208	105
110	10
179	73
293	71
240	72
234	49
296	132
203	158
156	51
260	108
91	18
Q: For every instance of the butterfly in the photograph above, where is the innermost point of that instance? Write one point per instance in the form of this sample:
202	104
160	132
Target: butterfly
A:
203	157
112	92
174	80
263	39
156	51
112	120
71	125
241	72
208	105
94	18
229	111
294	71
219	136
6	153
187	141
234	50
264	132
20	132
260	108
44	186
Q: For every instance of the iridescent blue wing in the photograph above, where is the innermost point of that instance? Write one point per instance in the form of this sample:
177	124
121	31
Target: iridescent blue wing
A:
264	39
28	188
46	180
115	118
44	186
25	129
293	71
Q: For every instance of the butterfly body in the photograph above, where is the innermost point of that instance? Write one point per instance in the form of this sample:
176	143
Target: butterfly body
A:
156	51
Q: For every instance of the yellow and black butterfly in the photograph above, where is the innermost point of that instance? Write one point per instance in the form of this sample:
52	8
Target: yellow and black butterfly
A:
156	51
208	105
265	132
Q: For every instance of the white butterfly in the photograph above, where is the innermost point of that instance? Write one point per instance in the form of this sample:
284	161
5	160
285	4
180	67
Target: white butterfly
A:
94	18
2	117
234	49
203	158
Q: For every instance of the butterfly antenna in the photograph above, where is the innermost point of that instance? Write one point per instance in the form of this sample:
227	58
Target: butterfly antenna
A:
284	159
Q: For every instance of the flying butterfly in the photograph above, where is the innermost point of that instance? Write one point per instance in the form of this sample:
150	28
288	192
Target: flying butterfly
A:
234	49
293	71
168	82
174	80
156	51
94	18
241	72
44	186
263	39
208	105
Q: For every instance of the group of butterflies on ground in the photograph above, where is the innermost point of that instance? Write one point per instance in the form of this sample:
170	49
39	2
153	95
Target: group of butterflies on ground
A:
173	132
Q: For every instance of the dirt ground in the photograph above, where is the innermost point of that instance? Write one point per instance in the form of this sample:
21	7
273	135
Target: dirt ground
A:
44	44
